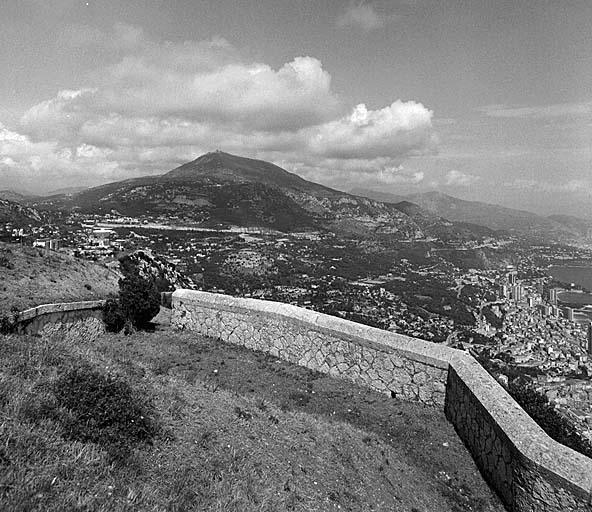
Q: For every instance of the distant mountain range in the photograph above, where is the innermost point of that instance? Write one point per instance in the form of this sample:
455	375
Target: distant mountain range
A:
554	227
11	195
64	191
220	189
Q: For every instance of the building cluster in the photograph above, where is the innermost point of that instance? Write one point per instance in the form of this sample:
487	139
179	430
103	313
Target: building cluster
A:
552	342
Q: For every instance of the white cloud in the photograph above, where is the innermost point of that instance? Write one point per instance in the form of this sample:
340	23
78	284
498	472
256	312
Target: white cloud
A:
402	128
158	104
24	162
347	174
362	15
249	96
205	80
456	178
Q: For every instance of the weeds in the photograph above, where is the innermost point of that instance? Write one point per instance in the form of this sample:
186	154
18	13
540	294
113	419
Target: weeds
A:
5	262
9	321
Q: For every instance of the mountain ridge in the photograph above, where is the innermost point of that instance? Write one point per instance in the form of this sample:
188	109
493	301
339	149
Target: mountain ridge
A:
492	216
221	189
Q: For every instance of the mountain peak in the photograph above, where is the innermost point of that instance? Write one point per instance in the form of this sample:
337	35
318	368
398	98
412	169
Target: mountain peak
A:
225	167
214	156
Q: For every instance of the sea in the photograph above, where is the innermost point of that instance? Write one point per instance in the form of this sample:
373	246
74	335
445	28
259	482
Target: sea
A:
577	275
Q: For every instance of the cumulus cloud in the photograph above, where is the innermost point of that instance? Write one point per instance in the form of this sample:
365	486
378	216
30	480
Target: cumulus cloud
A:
361	15
24	161
456	178
347	174
158	104
203	80
401	128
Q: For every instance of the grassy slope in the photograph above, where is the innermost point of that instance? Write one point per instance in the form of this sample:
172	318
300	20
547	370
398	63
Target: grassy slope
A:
245	432
38	278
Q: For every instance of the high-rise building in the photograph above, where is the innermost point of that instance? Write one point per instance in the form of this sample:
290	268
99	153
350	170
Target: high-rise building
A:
569	314
503	291
553	295
589	347
512	277
517	292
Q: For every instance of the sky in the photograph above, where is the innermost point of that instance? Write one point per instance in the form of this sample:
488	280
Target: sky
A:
482	100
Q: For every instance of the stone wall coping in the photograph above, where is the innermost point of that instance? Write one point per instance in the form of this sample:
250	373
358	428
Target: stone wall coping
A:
521	431
557	461
424	351
61	307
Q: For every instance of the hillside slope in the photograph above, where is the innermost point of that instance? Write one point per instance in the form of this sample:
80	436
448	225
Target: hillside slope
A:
581	227
18	215
17	197
491	216
29	277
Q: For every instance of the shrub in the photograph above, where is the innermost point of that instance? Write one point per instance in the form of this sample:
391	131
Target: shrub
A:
554	424
113	315
9	322
139	299
105	410
138	302
5	262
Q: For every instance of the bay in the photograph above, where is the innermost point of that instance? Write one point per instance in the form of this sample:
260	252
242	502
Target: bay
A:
578	275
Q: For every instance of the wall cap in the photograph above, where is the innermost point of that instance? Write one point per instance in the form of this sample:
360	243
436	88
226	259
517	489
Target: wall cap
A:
60	307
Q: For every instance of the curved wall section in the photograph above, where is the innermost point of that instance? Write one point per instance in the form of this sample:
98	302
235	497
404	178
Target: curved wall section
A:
74	321
529	470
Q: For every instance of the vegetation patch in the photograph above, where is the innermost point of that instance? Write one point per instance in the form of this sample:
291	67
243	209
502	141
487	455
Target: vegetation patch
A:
9	322
556	426
104	409
138	302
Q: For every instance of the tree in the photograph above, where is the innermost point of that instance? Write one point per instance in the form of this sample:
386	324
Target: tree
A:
139	299
138	302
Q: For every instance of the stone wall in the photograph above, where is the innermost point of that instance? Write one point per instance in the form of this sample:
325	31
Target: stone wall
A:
529	470
73	321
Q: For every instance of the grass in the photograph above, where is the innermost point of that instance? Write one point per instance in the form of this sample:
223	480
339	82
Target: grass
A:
30	276
239	431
